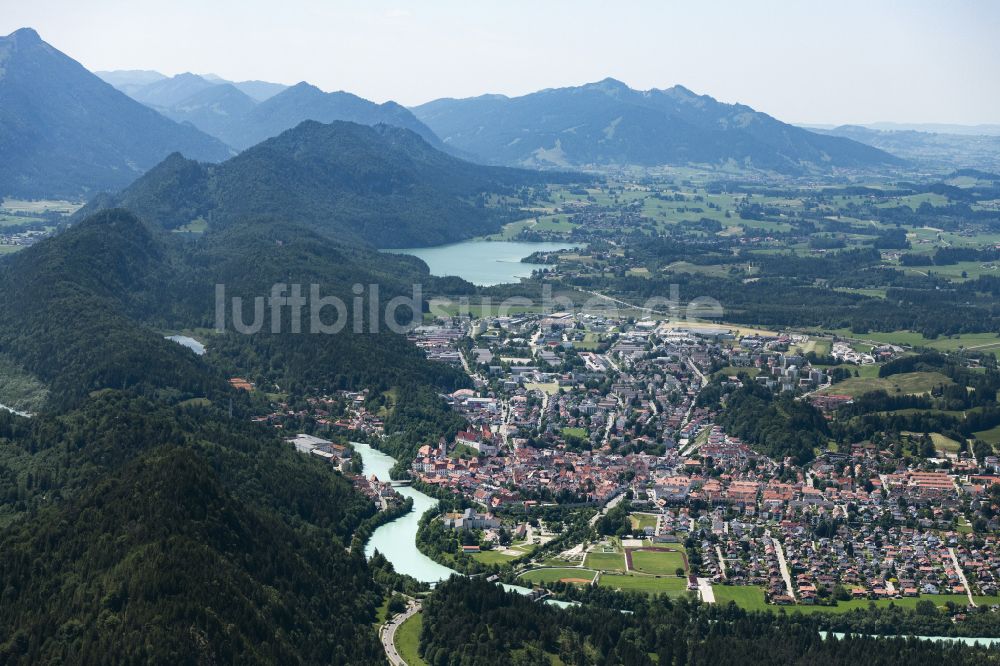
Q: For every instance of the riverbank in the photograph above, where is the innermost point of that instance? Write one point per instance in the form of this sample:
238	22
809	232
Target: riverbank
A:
396	540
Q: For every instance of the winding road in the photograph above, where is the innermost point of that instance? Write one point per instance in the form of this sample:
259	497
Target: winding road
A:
387	632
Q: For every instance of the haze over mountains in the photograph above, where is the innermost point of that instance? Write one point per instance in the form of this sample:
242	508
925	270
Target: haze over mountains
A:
957	148
64	132
246	113
141	84
609	123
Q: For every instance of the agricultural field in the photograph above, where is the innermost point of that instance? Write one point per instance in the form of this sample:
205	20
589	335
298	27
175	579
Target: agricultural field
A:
590	342
196	226
991	436
944	343
906	602
945	444
40	206
551	388
492	557
816	346
751	597
8	220
641	521
730	371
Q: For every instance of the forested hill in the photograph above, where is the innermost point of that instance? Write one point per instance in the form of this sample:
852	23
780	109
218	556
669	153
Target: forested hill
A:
137	532
143	517
609	123
65	132
71	309
80	311
382	185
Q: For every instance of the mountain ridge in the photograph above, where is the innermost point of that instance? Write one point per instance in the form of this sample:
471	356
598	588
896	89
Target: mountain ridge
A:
262	110
608	123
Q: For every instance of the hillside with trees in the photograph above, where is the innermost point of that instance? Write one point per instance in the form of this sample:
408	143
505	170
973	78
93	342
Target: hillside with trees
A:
381	185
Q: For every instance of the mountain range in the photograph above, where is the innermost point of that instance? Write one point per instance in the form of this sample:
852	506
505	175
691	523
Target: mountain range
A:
608	123
142	84
65	132
239	115
382	185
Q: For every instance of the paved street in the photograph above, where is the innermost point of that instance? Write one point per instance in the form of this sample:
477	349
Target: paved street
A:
784	567
961	576
387	633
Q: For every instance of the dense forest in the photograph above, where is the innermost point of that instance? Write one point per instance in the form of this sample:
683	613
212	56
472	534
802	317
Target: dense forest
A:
143	518
174	534
776	425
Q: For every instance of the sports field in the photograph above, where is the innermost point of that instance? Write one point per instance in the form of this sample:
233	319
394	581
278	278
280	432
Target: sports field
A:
569	575
656	561
605	561
670	585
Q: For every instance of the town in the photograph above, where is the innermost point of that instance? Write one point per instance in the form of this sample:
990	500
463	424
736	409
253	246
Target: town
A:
583	411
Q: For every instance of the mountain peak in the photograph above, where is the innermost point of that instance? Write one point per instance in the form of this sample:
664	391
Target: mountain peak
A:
189	76
106	138
608	84
25	35
304	86
681	91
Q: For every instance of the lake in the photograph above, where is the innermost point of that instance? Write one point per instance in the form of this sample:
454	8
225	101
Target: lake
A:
397	540
483	263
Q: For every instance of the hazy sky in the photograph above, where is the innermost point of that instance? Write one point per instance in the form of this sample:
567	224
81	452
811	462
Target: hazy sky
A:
829	61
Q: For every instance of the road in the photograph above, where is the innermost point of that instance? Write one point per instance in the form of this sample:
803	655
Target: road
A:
705	590
387	633
465	362
607	507
722	561
619	302
612	417
784	567
695	370
961	576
